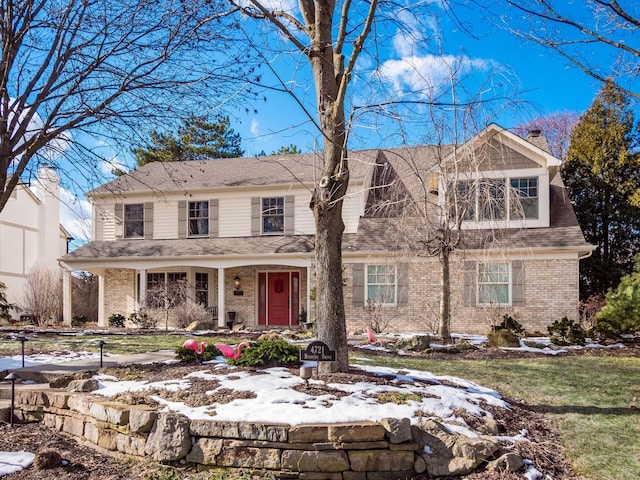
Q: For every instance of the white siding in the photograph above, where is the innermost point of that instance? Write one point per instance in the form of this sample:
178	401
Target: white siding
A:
22	210
235	216
104	221
31	247
11	249
165	219
353	208
304	221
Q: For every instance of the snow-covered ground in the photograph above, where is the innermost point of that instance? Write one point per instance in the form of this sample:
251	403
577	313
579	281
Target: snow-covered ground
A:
439	396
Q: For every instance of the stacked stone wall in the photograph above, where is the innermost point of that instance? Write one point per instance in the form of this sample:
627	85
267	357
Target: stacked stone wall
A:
345	451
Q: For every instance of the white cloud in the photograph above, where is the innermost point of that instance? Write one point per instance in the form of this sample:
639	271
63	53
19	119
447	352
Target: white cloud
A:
410	36
280	5
425	74
255	127
75	216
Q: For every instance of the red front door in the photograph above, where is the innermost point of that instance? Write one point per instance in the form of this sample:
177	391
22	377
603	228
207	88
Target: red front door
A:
279	298
278	294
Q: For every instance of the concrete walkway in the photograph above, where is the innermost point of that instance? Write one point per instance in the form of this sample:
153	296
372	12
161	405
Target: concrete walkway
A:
44	373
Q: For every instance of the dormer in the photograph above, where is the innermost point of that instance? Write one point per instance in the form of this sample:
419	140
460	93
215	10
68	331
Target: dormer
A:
498	180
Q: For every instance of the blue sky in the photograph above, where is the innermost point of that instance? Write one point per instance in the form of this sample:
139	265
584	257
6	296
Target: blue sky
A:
537	79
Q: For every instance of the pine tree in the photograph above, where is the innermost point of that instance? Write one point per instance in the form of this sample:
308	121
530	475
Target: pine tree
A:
5	306
601	174
197	138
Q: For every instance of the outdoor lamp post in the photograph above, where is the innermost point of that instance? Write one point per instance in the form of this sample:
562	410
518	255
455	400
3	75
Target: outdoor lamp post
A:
12	377
22	340
102	343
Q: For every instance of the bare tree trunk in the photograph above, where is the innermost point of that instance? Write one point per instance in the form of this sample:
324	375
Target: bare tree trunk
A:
331	324
327	200
445	296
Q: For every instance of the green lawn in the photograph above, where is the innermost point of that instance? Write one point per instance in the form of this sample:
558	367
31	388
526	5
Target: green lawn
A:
589	398
120	344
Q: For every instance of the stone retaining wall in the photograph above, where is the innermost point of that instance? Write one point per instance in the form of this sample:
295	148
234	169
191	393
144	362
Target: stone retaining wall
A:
354	451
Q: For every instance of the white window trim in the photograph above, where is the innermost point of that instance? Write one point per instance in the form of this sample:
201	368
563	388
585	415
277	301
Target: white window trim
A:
395	284
543	199
262	232
509	285
124	221
201	235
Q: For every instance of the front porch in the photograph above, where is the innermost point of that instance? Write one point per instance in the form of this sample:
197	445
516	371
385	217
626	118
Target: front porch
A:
259	295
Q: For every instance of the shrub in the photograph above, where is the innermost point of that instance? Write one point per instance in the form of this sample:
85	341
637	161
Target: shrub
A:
511	324
78	320
268	353
189	312
621	313
189	356
377	319
589	310
116	320
42	297
142	319
567	332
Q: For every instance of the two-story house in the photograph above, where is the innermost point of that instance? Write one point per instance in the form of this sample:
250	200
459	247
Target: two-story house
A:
240	232
30	232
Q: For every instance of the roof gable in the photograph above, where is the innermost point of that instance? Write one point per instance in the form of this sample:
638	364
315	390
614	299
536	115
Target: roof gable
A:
496	148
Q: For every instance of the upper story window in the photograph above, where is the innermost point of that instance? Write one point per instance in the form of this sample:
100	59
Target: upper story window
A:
493	283
381	284
134	220
524	203
199	218
497	199
492	199
273	215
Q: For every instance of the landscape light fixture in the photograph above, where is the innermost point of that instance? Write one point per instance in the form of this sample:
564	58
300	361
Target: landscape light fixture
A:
12	377
102	343
305	374
22	340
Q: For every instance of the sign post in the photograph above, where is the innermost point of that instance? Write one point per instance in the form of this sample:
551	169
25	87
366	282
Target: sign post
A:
318	352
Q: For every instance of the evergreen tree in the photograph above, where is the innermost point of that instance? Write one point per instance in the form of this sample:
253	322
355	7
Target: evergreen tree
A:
197	138
601	174
5	306
287	150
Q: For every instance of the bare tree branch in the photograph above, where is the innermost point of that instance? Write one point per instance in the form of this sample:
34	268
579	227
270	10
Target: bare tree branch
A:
101	66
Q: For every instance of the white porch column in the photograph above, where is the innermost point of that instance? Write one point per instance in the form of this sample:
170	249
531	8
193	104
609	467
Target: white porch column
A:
309	294
221	305
67	312
102	321
143	288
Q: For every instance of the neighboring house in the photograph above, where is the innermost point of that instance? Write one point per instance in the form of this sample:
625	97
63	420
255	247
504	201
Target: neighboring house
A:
30	232
240	232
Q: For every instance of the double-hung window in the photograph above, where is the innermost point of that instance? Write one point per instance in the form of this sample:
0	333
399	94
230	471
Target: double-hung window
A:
492	199
202	289
166	289
524	198
199	218
494	283
381	284
134	220
273	215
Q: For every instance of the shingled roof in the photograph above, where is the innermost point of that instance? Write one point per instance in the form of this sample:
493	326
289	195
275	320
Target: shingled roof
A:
231	172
